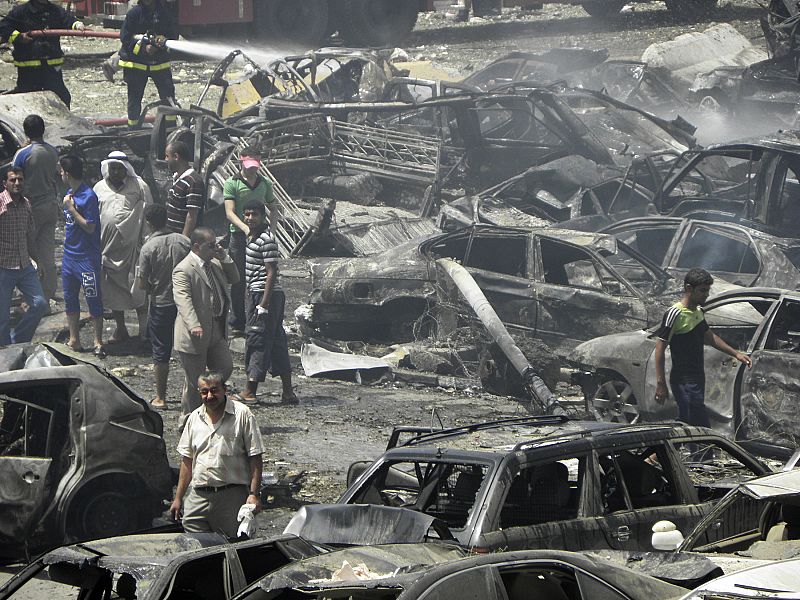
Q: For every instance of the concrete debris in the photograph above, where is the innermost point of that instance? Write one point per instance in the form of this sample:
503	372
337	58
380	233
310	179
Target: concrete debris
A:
699	52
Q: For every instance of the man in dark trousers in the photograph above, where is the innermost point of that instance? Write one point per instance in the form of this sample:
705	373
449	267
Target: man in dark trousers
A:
39	161
266	348
38	59
144	54
685	330
161	253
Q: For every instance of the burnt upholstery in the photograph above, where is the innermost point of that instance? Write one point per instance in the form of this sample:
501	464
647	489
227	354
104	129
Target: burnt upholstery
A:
549	493
643	481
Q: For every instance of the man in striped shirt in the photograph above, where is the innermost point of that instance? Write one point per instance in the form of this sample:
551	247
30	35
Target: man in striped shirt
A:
266	348
187	196
685	330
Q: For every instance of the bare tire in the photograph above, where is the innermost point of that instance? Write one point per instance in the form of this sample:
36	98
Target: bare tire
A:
105	514
291	21
376	22
613	402
690	9
603	8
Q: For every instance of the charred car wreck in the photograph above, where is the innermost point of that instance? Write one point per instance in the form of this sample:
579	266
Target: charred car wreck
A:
410	572
81	454
559	286
756	406
527	483
159	566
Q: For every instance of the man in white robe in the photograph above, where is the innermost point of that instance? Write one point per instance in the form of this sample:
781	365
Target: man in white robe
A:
123	196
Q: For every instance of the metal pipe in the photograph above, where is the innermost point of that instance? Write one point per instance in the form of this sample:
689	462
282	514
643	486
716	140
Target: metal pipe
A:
117	121
73	33
473	294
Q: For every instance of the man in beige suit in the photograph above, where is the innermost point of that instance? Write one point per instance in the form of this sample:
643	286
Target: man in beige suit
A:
200	288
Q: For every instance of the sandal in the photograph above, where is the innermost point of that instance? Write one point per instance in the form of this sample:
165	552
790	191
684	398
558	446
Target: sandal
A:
99	352
250	400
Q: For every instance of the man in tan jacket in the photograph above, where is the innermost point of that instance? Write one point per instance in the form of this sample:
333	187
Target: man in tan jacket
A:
200	288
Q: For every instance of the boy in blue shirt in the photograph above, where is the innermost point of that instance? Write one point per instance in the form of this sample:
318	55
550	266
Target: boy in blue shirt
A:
80	267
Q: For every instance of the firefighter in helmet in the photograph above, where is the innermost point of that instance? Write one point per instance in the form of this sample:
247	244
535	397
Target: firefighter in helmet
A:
144	54
38	59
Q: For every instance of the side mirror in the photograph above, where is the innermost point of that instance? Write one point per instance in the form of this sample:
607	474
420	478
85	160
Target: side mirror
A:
666	536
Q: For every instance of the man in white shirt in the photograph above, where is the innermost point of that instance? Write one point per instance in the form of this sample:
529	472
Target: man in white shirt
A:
221	450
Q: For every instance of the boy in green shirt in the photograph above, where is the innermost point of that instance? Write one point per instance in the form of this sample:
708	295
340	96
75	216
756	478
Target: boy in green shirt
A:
247	185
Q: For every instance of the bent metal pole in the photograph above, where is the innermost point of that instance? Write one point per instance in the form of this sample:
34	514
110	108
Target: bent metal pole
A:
73	33
483	309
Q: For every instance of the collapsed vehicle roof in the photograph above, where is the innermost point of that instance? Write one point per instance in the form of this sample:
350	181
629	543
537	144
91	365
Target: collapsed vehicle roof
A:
158	566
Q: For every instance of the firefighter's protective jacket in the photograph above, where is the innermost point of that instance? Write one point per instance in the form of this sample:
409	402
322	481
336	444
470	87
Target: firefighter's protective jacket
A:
42	51
152	21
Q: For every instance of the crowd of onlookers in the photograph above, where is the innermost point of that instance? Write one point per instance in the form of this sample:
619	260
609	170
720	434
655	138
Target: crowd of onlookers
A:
125	250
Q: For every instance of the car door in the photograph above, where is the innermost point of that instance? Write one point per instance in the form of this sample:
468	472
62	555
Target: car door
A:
726	252
767	403
501	264
579	298
739	323
639	486
25	462
544	504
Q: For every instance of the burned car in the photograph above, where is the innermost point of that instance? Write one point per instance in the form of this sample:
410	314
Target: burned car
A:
758	519
81	454
158	566
411	572
632	82
530	482
560	286
736	253
753	182
775	580
497	135
756	405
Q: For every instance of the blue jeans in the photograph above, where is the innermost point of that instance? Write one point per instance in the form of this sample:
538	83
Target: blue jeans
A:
690	397
27	281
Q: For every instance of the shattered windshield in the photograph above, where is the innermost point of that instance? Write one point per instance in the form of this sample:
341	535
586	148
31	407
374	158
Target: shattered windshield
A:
444	490
624	132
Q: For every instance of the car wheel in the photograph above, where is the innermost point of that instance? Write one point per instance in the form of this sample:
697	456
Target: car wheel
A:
104	514
613	402
603	8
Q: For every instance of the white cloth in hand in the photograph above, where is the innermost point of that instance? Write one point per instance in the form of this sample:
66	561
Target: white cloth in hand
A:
247	521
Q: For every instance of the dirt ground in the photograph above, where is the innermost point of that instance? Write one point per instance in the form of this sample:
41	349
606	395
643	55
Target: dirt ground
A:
337	423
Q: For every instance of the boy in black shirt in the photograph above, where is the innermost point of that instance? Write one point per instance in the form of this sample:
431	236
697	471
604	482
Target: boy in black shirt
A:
685	329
